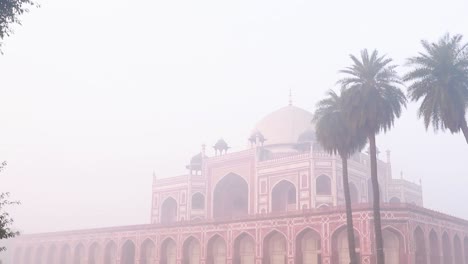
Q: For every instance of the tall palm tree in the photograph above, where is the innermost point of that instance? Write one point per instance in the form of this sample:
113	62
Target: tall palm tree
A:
440	79
372	104
336	137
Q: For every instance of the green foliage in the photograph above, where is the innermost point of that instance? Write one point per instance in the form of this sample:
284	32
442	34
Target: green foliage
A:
332	129
5	219
439	79
10	12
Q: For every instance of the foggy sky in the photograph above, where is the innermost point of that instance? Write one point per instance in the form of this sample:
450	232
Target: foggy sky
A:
95	95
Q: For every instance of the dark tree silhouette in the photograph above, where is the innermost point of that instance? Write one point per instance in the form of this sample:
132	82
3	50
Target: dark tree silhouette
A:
10	12
336	136
439	79
373	102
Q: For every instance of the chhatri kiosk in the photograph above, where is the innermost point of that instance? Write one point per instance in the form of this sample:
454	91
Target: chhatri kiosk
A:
279	201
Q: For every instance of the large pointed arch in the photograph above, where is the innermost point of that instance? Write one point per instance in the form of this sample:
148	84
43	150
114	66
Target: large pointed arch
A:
434	249
168	251
420	246
457	249
52	255
446	249
191	251
110	252
65	255
283	196
168	211
147	252
216	250
79	255
95	253
340	246
275	248
393	245
308	247
231	197
127	255
244	249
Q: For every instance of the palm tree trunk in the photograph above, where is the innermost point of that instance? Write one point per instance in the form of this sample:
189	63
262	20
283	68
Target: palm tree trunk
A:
349	213
376	205
464	128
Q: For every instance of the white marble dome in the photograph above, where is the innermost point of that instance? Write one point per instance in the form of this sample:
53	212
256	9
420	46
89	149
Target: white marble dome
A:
284	126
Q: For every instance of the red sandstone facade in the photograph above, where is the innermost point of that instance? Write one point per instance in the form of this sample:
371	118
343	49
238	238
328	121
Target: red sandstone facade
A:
279	201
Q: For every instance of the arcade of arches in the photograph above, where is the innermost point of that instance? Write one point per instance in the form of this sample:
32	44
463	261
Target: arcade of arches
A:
274	250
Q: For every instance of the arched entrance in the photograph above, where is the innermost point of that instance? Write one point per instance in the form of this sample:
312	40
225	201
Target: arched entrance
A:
128	253
110	253
283	197
392	246
168	252
354	193
39	258
274	249
147	254
457	246
230	197
340	246
434	248
65	255
52	255
420	246
244	250
169	211
216	251
94	256
308	247
395	200
191	251
79	257
446	249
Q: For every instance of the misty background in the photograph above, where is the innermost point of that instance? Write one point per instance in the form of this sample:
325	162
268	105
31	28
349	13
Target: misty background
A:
96	95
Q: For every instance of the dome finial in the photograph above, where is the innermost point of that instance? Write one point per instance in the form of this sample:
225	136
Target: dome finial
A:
290	97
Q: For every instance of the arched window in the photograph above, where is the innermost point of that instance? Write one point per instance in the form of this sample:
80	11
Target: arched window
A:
231	197
283	197
446	249
308	247
274	249
323	185
395	200
434	253
198	201
420	246
216	250
169	211
244	249
128	253
147	254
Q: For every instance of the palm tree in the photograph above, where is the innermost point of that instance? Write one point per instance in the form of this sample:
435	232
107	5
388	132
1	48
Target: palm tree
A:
336	137
440	80
372	104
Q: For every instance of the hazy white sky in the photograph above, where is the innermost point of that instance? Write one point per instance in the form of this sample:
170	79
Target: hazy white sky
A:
98	94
